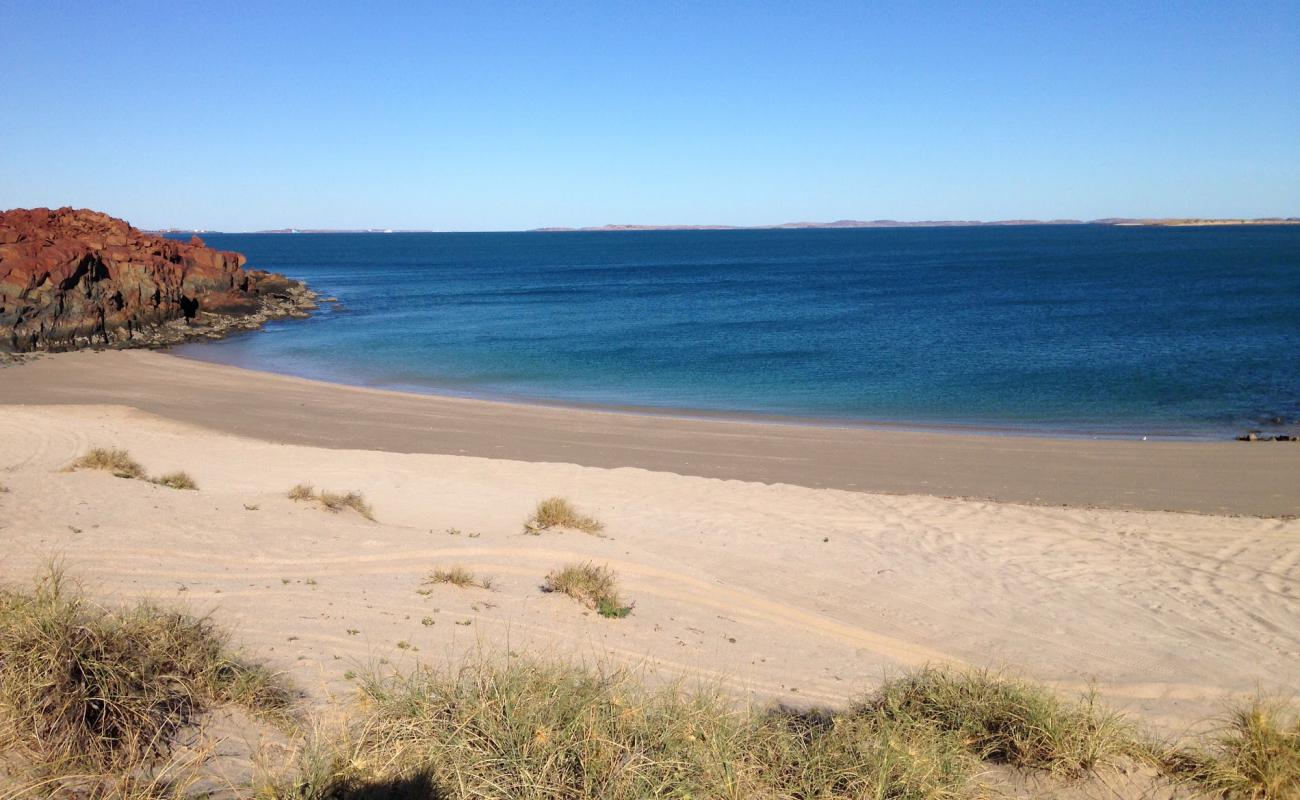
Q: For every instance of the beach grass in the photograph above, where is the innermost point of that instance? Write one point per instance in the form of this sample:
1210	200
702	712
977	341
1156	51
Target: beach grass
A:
1254	754
557	512
110	459
338	501
87	690
458	576
493	730
593	586
177	480
333	501
1010	721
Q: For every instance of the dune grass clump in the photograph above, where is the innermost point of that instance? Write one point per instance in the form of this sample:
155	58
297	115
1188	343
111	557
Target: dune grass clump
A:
91	690
177	480
557	512
592	586
1009	721
114	460
459	577
524	729
333	501
1255	756
338	501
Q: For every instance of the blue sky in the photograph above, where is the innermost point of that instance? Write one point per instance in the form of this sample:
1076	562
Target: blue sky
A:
487	116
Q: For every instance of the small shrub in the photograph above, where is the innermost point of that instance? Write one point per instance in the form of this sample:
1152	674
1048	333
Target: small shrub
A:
177	480
1255	756
302	492
113	460
457	576
84	688
592	586
557	512
337	501
1009	721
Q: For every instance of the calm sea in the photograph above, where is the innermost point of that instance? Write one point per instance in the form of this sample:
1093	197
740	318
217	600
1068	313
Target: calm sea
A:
1073	329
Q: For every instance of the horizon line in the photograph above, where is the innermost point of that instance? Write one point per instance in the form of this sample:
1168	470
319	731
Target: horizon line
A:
843	224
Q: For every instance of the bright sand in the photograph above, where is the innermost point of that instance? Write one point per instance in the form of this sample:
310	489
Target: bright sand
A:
786	591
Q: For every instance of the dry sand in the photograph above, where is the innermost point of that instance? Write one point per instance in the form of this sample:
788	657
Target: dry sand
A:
804	594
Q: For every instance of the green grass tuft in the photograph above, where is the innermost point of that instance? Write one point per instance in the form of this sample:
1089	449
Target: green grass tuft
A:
594	587
113	460
557	512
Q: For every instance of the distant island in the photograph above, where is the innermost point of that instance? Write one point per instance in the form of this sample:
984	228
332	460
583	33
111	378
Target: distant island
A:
893	223
1171	222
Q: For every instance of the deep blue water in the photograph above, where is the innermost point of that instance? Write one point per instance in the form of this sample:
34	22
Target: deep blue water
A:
1082	329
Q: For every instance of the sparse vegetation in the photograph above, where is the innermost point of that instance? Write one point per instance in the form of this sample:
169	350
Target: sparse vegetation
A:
457	576
113	460
177	480
593	586
1010	721
87	691
333	501
557	512
1254	756
337	501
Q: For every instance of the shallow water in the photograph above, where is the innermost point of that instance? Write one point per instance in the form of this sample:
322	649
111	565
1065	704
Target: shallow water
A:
1073	329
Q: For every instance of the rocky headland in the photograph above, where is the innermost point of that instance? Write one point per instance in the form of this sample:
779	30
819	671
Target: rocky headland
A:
74	278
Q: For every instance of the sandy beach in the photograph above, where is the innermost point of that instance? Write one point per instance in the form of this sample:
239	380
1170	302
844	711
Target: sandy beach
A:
749	558
1234	478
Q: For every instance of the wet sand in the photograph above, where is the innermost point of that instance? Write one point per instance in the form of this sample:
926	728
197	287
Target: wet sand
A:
1258	479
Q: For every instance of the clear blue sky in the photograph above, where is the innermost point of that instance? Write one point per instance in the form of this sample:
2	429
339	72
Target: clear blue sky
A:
486	116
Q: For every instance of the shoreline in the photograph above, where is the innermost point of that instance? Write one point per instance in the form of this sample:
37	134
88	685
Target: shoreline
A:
991	428
1207	477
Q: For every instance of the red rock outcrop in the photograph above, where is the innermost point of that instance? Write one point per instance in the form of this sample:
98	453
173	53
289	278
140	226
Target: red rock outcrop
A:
73	278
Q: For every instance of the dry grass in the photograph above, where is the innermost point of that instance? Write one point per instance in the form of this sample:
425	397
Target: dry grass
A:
457	576
595	587
90	691
338	501
113	460
1255	755
333	501
557	512
1010	721
531	731
177	480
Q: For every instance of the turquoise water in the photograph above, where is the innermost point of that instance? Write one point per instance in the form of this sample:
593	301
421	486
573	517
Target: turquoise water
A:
1073	329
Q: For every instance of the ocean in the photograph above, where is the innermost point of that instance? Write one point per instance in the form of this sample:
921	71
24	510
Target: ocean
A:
1076	330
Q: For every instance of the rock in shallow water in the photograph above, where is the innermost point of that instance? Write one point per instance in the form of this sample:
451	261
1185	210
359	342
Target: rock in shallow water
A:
77	278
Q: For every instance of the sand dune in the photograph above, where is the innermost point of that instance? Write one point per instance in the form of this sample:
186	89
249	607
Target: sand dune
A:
782	591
